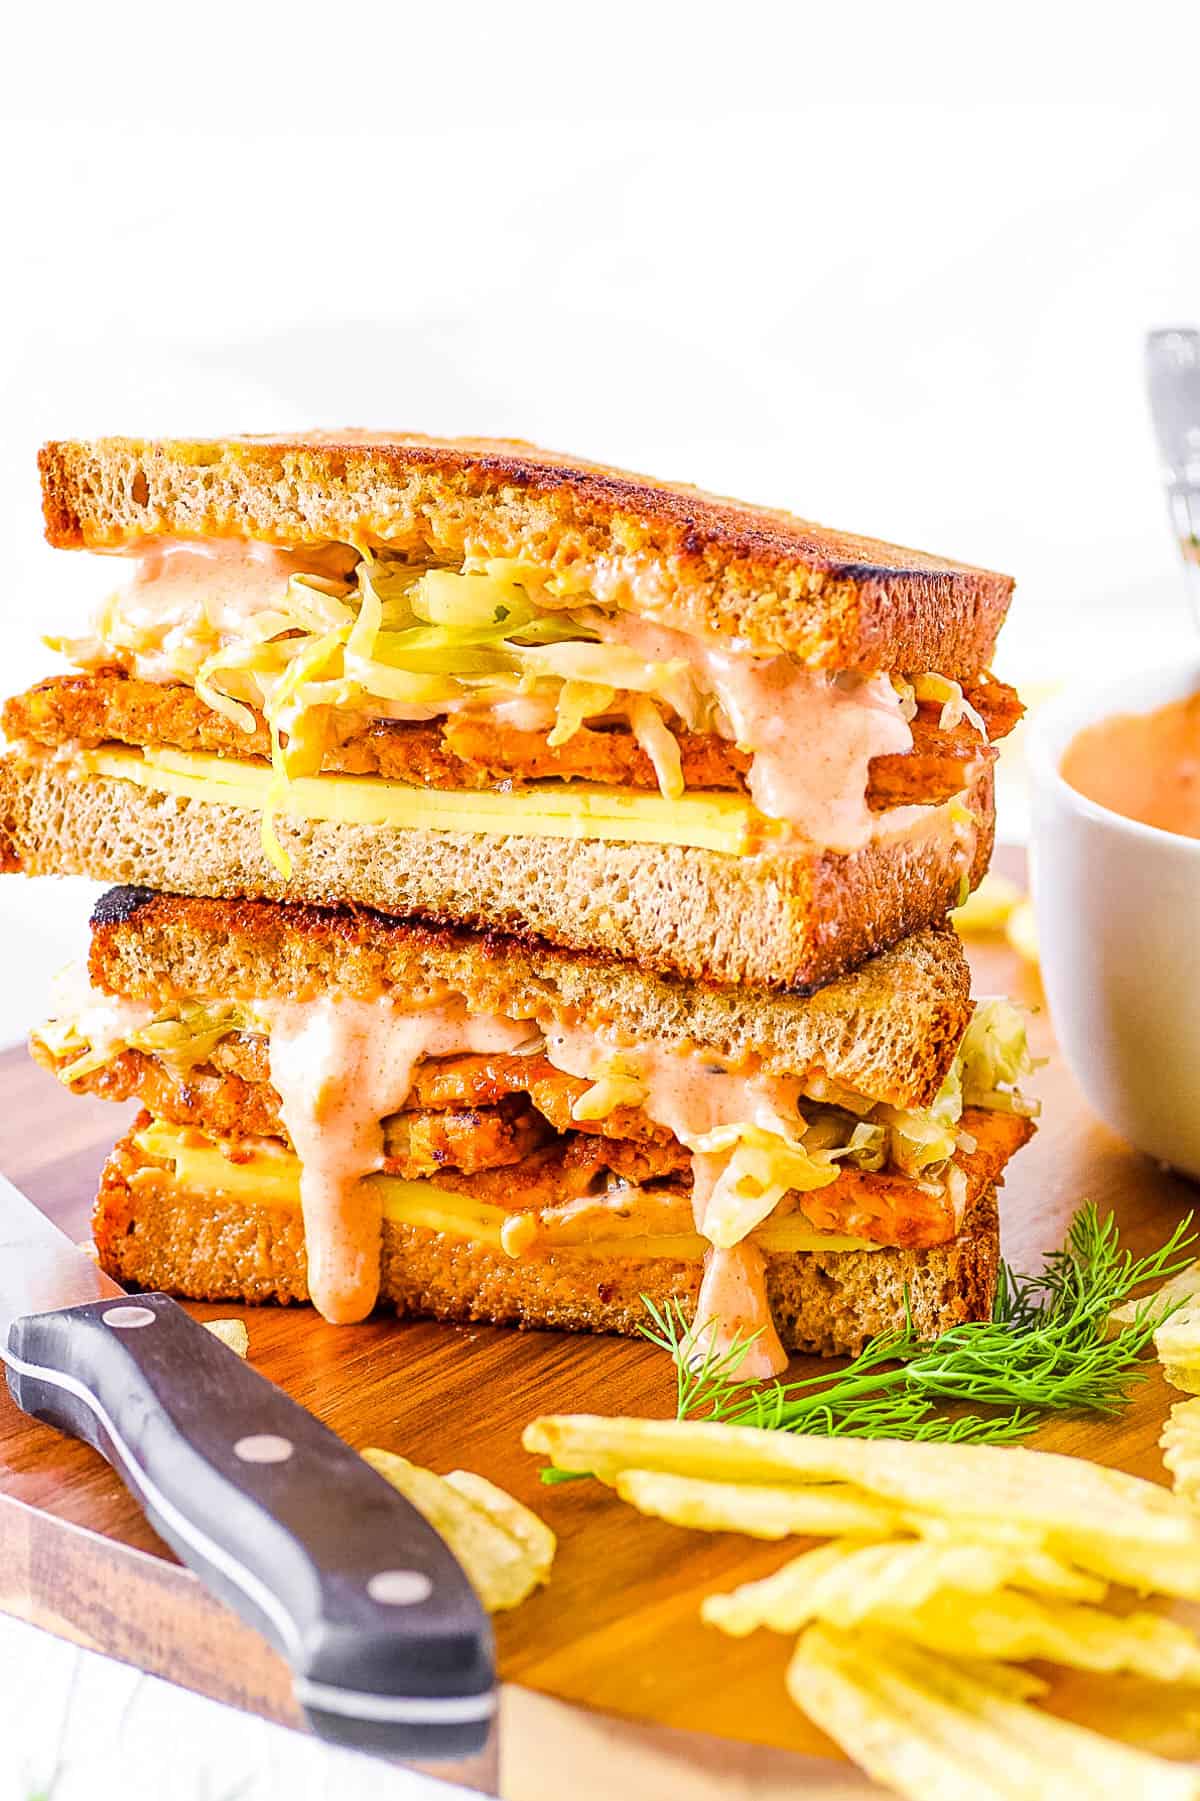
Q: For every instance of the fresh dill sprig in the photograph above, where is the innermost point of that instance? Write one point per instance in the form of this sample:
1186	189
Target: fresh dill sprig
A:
1048	1348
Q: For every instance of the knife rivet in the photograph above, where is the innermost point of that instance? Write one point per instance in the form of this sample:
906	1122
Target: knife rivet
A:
400	1588
125	1318
263	1447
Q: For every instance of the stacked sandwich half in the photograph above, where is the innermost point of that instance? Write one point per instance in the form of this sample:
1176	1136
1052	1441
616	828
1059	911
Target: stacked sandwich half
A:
533	892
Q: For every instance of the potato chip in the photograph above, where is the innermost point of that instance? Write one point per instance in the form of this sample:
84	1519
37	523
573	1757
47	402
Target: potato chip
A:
987	910
231	1332
936	1731
520	1522
825	1511
1045	1574
1004	1533
1042	1490
1182	1287
1033	1567
1177	1344
1021	932
1008	1680
1177	1340
905	1753
499	1565
845	1583
851	1582
1183	1376
1147	1569
1009	1627
1107	1523
1181	1449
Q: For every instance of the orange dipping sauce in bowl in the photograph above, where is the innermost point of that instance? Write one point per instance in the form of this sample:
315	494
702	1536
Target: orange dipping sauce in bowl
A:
1145	766
1115	789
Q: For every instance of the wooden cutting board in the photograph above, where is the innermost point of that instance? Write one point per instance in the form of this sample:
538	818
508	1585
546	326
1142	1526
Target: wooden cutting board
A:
611	1683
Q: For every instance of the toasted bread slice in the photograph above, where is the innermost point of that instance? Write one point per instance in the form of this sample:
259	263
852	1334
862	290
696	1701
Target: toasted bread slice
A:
775	919
889	1030
217	1247
834	599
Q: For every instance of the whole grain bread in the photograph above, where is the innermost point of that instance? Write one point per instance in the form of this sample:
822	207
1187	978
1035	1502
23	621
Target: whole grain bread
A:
888	1030
215	1248
790	920
713	564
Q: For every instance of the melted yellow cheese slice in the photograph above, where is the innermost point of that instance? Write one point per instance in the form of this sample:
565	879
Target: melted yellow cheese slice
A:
702	820
271	1178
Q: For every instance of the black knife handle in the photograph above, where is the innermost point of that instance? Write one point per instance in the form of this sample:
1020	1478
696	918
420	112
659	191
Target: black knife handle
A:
389	1646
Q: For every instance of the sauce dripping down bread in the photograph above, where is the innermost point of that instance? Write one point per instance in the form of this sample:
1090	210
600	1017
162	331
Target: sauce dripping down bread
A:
340	1067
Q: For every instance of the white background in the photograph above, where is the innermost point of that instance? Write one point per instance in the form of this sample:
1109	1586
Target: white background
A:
889	266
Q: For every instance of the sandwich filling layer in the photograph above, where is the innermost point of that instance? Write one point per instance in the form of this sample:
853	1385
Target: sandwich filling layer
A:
706	821
476	678
153	1231
557	1135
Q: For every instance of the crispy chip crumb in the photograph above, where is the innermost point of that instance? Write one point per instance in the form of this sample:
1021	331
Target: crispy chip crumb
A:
933	1728
1183	1376
1180	1443
505	1549
1184	1286
231	1332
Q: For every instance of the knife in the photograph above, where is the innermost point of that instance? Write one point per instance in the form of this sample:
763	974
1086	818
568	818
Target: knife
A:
389	1647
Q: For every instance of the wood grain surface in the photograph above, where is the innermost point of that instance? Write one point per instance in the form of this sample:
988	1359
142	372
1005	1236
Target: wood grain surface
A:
618	1629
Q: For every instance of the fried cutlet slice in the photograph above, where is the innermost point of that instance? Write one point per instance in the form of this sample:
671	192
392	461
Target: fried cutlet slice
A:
486	1110
418	1142
112	707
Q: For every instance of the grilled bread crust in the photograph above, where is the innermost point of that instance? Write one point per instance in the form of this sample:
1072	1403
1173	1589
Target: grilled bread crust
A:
791	920
215	1248
836	600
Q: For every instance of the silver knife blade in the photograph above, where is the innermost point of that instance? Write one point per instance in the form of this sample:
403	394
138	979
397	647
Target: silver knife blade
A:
40	1269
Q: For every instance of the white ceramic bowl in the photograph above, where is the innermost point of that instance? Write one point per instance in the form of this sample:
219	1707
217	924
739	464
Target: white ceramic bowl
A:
1118	917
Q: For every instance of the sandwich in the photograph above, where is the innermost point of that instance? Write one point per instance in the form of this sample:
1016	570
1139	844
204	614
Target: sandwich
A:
479	684
354	1108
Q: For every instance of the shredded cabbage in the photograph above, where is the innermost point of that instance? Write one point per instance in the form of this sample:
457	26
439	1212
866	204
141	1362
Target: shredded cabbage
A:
399	641
955	705
763	1164
908	697
933	687
956	1187
659	743
617	1084
183	1036
863	1143
762	1168
577	702
993	1058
